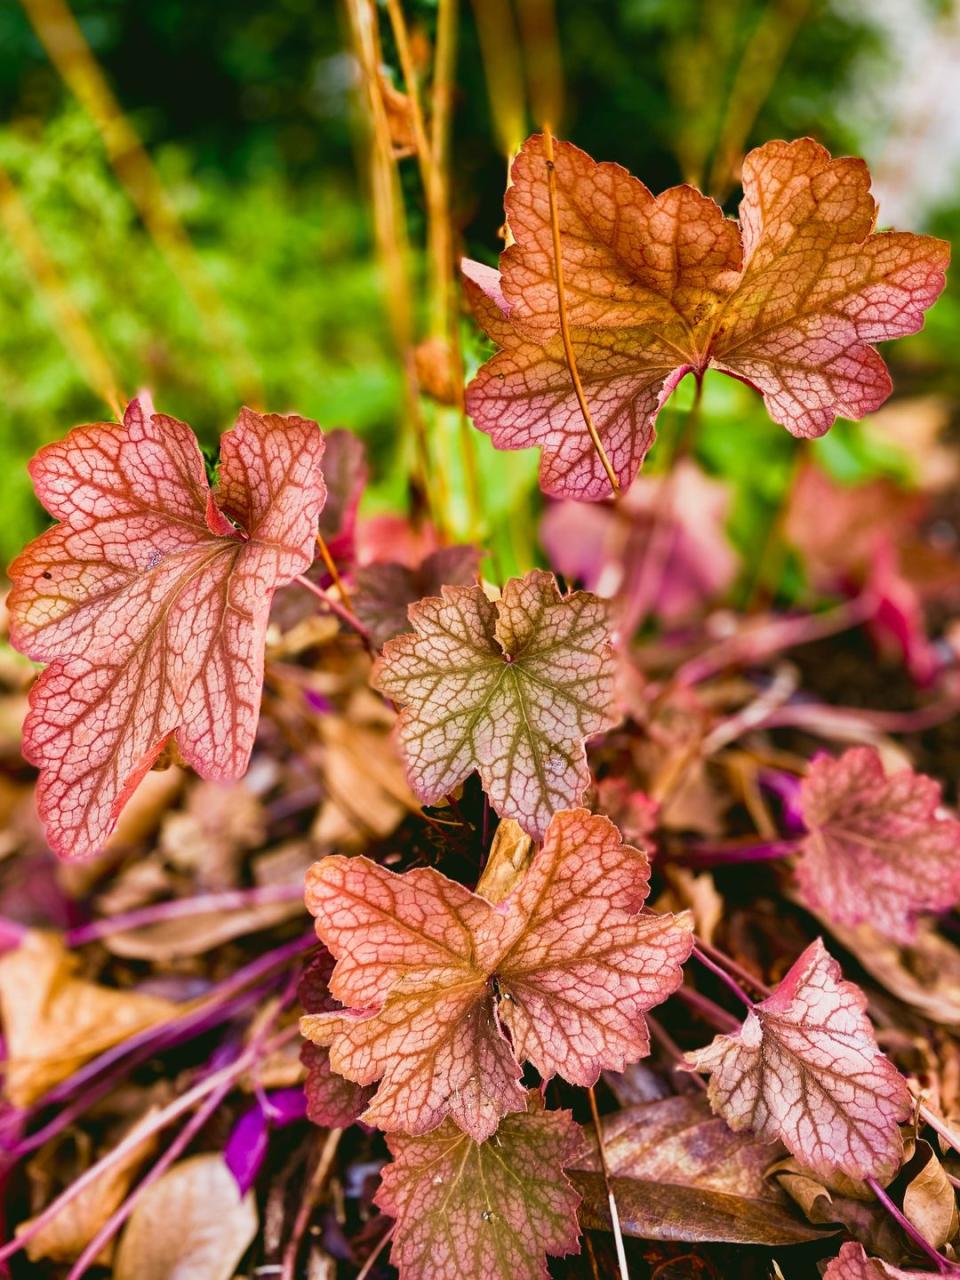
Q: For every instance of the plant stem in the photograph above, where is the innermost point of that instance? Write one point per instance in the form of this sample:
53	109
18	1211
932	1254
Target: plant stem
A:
757	644
178	908
334	573
707	1009
707	855
315	1186
728	981
562	305
152	1123
341	610
728	963
368	1266
943	1266
937	1123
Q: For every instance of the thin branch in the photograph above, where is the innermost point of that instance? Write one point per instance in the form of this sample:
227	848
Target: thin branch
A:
943	1266
562	305
342	612
727	979
316	1184
334	573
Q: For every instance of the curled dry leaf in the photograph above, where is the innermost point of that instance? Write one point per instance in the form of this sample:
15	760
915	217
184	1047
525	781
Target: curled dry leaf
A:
852	1263
789	301
493	1209
510	688
191	1224
680	1173
385	590
54	1021
877	848
805	1069
150	604
854	1206
929	1200
431	974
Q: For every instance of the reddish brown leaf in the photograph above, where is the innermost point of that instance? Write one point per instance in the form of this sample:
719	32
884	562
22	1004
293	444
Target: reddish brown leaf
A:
331	1100
877	850
493	1209
805	1069
385	591
510	688
679	1173
151	606
657	287
431	972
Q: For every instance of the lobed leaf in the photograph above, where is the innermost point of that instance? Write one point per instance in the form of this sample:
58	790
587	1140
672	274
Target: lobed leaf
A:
433	976
510	688
150	605
805	1069
789	301
877	850
493	1209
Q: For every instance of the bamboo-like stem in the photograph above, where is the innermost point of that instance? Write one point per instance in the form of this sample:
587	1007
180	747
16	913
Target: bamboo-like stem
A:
71	328
334	573
503	72
562	307
390	228
62	38
611	1198
761	62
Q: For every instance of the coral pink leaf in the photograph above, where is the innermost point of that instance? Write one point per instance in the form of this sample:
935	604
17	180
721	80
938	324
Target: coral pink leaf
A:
656	287
151	606
510	688
805	1069
493	1209
852	1263
431	974
386	589
877	849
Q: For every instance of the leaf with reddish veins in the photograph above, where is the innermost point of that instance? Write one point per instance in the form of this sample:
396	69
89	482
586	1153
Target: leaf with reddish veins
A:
432	975
331	1101
510	688
657	287
493	1209
150	606
877	850
385	590
805	1070
852	1263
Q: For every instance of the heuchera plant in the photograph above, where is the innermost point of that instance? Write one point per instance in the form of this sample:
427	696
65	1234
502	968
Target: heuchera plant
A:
436	1010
